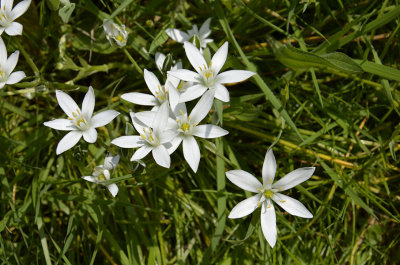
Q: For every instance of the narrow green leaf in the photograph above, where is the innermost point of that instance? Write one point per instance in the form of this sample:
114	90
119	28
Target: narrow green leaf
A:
343	62
384	71
159	40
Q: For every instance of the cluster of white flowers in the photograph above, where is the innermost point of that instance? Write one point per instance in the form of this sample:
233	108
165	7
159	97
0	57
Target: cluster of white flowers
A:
12	28
168	124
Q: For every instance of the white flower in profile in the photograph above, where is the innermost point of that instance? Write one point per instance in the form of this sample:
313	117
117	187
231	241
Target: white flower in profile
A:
160	93
201	34
80	123
187	126
7	65
9	14
102	173
115	33
268	192
152	138
208	76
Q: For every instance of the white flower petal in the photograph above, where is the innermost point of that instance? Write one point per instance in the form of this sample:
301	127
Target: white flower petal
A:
181	107
60	124
292	206
269	169
205	28
177	35
191	152
138	124
11	63
195	57
88	103
111	162
19	9
113	188
233	76
268	223
168	135
174	81
221	93
161	119
174	144
294	178
202	107
151	81
90	179
2	84
67	104
245	207
103	118
244	180
161	156
141	152
3	53
192	92
68	141
90	135
173	96
146	117
14	29
140	99
185	75
15	77
219	58
160	58
130	141
209	131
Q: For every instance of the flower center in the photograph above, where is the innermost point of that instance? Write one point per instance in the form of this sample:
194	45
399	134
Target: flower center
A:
149	136
208	75
161	94
101	177
120	38
79	120
268	194
100	174
185	126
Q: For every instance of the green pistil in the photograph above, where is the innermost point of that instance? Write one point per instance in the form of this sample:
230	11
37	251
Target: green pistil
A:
268	194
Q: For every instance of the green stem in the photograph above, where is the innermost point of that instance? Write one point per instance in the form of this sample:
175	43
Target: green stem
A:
137	67
28	59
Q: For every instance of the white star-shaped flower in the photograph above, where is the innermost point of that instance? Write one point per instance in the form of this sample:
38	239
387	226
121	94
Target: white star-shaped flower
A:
80	123
9	14
102	173
115	33
152	138
268	192
201	34
7	66
208	76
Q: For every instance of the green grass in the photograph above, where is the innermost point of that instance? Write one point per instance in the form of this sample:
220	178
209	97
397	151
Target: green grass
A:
345	124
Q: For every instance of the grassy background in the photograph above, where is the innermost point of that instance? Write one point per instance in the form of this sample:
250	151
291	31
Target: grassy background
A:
346	125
